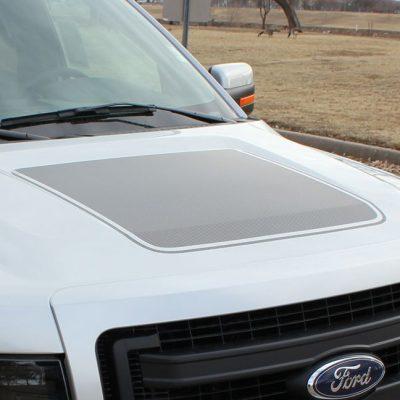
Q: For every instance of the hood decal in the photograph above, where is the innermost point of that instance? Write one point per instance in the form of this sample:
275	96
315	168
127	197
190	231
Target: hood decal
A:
193	200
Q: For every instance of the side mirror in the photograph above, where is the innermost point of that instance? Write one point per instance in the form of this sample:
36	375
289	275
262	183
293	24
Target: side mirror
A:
238	80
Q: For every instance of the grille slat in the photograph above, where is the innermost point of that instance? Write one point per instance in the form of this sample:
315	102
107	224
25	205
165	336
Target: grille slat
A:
305	318
264	387
244	328
391	358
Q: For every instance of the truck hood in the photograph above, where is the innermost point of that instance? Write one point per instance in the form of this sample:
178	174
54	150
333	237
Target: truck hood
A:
190	203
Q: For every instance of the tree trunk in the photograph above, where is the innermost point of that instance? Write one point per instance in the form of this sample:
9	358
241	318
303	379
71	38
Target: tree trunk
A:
264	21
290	12
265	8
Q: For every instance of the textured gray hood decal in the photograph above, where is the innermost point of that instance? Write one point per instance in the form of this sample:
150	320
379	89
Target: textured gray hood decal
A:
202	199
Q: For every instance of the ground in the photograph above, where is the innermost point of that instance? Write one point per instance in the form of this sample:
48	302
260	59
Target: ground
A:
340	86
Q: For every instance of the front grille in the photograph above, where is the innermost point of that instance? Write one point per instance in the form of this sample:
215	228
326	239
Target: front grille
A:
267	387
245	328
274	323
271	387
391	358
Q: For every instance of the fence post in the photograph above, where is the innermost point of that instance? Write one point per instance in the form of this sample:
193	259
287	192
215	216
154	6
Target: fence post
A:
186	21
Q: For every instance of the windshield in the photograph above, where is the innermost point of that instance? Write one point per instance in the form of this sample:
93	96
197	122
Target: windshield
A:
58	54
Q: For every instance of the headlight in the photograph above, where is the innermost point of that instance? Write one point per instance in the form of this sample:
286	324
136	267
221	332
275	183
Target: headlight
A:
32	380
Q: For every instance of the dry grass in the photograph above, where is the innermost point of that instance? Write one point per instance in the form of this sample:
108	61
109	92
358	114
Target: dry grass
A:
340	86
335	19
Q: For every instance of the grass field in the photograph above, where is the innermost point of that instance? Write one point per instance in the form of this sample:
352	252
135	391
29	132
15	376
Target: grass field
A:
333	19
339	86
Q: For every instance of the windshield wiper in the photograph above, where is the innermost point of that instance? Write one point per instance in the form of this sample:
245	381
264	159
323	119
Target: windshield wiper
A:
195	115
103	112
20	135
75	114
123	109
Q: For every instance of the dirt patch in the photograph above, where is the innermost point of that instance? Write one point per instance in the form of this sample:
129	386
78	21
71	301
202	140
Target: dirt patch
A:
373	77
353	53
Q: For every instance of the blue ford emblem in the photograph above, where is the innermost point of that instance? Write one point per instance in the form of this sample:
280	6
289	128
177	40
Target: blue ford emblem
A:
346	377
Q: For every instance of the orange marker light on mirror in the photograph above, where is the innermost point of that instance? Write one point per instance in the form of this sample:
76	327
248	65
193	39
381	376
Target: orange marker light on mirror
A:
246	101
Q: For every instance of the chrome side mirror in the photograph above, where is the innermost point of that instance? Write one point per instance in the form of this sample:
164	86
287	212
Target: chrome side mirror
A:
238	80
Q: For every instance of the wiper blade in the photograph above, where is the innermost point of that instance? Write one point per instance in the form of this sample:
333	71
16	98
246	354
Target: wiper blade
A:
105	111
196	115
20	135
138	108
75	114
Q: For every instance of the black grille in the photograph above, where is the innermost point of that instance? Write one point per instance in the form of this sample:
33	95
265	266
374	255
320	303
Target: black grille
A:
391	358
268	387
271	387
274	323
245	328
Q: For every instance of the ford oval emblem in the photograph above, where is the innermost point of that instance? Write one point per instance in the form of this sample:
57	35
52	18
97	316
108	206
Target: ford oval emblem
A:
346	377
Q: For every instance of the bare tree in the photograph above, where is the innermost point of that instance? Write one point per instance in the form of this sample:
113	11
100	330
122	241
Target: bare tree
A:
265	8
294	26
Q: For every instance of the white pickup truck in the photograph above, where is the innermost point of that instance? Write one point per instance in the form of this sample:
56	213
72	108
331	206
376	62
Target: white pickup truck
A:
156	243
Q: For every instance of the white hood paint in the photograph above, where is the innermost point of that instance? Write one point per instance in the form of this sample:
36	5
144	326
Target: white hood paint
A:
95	278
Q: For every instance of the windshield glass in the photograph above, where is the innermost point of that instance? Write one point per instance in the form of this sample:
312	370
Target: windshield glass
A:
58	54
